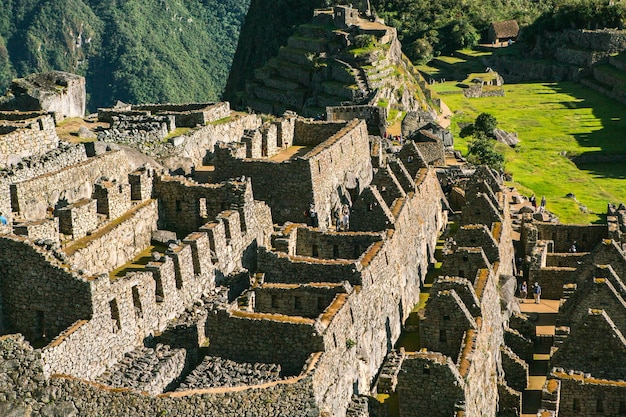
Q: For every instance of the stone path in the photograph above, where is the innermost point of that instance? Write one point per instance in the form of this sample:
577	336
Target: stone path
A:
544	317
445	118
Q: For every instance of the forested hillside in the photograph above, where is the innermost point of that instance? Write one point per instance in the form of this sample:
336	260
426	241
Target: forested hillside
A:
428	28
130	50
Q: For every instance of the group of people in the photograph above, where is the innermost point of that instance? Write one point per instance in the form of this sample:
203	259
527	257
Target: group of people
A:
523	292
397	138
342	218
533	201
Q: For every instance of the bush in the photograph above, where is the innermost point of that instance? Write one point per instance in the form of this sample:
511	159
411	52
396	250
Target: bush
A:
482	151
486	123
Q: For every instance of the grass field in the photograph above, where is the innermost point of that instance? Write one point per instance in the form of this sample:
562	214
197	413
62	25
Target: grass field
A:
555	121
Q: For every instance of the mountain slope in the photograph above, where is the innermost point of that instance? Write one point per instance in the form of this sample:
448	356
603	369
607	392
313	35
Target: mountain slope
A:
131	50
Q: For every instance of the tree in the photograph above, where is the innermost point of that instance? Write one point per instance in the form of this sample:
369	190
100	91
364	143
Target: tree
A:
482	151
486	123
464	35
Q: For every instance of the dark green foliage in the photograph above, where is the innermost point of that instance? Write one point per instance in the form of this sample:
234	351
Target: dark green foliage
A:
131	50
429	28
578	14
482	151
467	130
485	123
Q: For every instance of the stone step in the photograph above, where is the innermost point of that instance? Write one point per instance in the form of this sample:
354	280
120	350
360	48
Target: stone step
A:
149	370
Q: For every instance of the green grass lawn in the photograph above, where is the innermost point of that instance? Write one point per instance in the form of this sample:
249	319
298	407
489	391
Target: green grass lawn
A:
556	121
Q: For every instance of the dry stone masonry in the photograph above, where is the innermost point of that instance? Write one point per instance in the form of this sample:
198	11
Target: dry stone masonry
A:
283	266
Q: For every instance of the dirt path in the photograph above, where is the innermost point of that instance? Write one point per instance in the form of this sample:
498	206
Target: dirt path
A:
445	117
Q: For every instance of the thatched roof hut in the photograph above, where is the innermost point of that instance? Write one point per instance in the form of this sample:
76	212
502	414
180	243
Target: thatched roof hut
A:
503	31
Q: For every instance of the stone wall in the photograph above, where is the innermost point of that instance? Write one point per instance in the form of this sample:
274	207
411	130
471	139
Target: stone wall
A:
329	245
116	242
26	138
515	369
200	143
186	205
40	298
339	162
595	293
38	229
563	235
260	338
66	396
429	384
596	346
304	300
63	156
374	116
283	268
586	396
551	280
31	198
79	218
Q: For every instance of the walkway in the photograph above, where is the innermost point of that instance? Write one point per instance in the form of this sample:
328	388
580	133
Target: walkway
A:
543	316
445	118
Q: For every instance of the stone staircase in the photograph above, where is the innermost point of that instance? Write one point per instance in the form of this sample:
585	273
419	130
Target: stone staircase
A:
152	370
544	316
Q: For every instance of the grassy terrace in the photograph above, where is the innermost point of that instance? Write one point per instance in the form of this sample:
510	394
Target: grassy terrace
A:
555	121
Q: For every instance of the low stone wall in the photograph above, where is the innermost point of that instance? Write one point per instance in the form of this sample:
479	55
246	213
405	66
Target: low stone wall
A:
584	395
292	397
117	242
35	137
149	370
215	372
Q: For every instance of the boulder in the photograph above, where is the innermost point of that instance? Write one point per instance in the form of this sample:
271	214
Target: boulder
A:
508	138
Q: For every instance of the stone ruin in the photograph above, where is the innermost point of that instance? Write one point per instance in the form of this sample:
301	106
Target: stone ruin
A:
127	289
59	93
126	284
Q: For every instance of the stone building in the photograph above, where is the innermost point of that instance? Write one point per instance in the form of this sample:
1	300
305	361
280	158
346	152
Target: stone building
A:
503	31
57	92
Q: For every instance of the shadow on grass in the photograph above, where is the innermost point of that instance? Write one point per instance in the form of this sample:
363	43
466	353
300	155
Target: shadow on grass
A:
609	162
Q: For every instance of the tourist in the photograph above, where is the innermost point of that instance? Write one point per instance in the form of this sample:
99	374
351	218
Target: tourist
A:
542	207
313	216
3	220
337	219
523	291
573	248
537	293
345	219
533	201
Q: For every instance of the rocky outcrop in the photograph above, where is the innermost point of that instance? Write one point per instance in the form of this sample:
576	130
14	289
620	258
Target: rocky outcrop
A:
58	92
